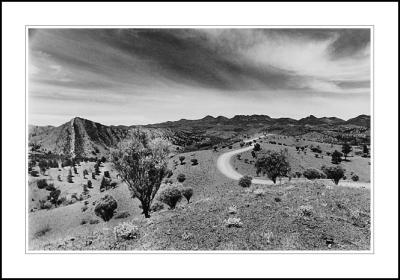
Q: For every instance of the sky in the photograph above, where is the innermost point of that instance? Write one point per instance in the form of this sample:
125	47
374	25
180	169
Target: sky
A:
142	76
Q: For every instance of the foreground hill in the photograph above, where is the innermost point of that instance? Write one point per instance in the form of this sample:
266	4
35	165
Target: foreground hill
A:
292	216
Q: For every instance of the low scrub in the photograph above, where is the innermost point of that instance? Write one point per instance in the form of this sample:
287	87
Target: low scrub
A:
245	181
233	222
126	231
170	196
312	174
181	178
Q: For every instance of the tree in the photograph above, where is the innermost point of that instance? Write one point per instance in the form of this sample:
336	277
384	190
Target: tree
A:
69	177
336	157
75	170
274	164
181	159
107	174
85	172
335	173
253	154
346	149
93	176
104	184
89	184
194	161
141	162
215	148
365	150
59	178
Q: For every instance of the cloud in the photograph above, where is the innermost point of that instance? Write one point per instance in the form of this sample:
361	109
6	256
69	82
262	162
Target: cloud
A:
110	66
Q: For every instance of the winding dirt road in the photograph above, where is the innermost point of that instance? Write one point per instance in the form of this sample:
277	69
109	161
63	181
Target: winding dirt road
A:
225	167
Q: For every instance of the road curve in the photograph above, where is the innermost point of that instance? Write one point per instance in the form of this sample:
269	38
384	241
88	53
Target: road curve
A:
225	167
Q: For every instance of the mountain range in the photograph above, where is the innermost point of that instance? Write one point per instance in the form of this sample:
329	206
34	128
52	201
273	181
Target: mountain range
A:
84	138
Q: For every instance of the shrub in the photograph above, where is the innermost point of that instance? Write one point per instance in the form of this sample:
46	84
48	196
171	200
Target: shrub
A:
41	183
126	231
89	184
232	209
94	221
187	193
75	170
245	181
156	206
181	178
53	196
298	174
335	173
107	174
113	185
233	222
93	176
170	196
84	208
34	173
312	174
105	207
85	172
142	165
122	215
169	173
59	178
182	159
305	210
194	161
274	164
103	159
105	184
257	147
43	230
355	178
50	187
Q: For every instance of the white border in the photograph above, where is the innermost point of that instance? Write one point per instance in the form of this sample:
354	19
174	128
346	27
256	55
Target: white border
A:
383	263
370	251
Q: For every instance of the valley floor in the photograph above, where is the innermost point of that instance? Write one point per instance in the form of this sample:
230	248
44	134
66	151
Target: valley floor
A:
301	215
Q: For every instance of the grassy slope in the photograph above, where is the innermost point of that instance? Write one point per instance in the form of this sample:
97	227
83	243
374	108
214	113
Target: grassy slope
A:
339	213
301	161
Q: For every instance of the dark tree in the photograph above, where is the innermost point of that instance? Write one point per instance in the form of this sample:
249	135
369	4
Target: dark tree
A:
335	173
85	172
257	147
274	164
336	157
182	159
346	149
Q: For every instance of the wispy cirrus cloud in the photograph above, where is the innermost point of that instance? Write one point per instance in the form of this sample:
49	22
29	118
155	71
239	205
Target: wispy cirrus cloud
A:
117	69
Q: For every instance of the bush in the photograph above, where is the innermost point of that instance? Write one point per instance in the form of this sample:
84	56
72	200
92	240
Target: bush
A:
41	183
156	206
126	231
107	174
122	215
194	161
170	196
335	173
169	173
34	173
50	187
53	196
182	159
187	193
298	174
105	207
312	174
233	222
245	181
181	178
305	210
89	184
355	178
257	147
43	230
